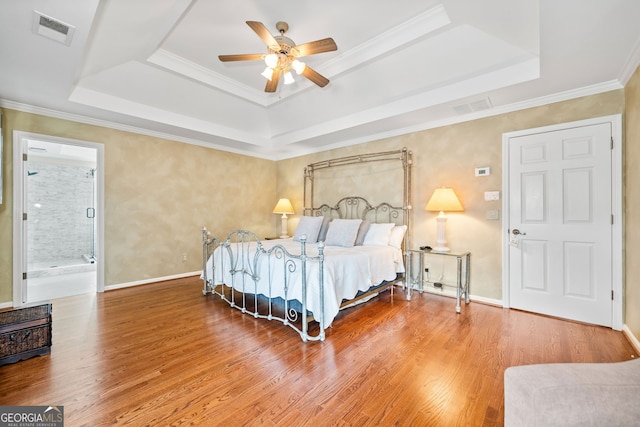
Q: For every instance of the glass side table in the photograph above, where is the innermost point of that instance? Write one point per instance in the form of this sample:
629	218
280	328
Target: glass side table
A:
463	264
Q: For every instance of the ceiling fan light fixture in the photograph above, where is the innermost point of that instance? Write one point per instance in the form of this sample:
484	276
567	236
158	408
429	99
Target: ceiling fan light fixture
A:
267	73
271	60
298	66
282	54
288	78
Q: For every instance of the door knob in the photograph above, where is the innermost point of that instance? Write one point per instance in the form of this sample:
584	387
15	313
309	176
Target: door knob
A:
517	232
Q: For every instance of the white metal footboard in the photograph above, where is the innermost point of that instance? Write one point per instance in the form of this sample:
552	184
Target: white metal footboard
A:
261	282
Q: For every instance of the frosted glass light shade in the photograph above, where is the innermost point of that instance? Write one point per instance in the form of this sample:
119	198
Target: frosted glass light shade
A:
267	73
298	66
271	60
288	78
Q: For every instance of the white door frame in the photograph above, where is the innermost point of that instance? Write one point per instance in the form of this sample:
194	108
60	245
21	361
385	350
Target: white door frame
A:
617	238
19	261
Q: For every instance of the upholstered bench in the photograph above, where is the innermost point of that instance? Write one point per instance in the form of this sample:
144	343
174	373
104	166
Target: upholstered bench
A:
573	394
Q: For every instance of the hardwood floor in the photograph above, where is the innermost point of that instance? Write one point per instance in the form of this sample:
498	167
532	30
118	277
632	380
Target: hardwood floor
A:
163	354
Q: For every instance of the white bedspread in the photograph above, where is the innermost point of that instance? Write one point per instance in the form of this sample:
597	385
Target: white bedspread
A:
346	271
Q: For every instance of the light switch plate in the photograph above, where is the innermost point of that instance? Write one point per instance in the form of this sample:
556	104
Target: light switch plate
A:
491	195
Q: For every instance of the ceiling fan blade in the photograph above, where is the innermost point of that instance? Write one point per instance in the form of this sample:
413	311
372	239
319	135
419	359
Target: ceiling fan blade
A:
318	46
315	77
264	34
241	57
272	84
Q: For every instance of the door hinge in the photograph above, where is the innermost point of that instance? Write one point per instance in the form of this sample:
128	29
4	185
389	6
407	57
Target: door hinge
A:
612	143
24	157
611	295
24	216
611	219
24	276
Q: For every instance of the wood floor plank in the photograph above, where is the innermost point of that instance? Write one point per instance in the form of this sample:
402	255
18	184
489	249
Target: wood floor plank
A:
164	354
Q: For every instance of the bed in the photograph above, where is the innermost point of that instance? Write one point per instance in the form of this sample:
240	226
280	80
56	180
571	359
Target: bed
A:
341	254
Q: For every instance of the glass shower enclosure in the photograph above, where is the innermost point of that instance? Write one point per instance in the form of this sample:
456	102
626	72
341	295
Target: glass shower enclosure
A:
61	216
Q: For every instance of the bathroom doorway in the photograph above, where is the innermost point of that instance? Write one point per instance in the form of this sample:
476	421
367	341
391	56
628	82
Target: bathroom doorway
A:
60	223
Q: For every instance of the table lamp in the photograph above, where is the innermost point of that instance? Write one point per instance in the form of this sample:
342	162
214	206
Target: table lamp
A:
283	207
443	199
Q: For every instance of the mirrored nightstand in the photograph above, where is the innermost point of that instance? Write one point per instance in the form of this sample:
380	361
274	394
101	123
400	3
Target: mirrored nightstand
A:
463	265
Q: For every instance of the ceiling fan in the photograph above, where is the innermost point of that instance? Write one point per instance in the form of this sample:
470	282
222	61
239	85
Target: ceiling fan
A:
283	56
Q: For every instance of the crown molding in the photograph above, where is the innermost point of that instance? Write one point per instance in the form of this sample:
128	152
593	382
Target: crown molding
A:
26	108
536	102
631	65
494	111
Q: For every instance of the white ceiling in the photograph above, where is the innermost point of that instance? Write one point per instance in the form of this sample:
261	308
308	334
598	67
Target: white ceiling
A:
151	66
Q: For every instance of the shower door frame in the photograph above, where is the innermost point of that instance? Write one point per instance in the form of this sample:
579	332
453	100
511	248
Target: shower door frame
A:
20	142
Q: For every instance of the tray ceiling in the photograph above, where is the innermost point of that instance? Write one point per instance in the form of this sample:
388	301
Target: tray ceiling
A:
152	66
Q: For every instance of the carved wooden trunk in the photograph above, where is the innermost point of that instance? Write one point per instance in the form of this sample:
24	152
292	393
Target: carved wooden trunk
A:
25	333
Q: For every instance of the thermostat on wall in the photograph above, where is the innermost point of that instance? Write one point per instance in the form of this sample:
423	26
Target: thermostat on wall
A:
485	171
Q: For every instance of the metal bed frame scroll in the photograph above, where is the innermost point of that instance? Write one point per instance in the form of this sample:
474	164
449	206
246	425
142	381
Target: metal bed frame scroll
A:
241	255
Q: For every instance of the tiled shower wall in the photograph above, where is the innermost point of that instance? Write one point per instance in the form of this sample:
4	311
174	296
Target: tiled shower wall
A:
58	228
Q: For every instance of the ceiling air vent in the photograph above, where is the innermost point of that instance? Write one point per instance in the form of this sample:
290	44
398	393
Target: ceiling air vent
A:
52	28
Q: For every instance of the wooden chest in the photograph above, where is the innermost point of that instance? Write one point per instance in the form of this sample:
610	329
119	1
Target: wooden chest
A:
24	333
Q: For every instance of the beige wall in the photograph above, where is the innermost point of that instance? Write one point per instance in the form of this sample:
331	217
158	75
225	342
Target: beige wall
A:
632	203
448	156
158	195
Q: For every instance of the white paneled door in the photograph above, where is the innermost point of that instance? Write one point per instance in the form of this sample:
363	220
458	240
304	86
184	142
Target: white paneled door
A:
560	223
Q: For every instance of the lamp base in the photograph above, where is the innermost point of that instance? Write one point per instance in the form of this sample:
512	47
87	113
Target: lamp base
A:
441	241
283	227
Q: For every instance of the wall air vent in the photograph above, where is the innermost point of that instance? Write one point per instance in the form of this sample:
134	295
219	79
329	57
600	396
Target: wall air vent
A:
52	28
472	107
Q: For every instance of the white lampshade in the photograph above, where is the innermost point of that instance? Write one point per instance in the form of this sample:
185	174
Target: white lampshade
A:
283	206
444	200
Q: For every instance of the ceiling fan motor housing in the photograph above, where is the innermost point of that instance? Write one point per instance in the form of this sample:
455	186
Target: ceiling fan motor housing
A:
285	44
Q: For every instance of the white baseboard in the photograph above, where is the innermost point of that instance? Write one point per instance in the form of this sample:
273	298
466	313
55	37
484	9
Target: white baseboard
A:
147	281
9	304
451	293
632	338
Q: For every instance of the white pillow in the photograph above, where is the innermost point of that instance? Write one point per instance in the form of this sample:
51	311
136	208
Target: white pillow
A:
397	235
378	235
309	225
342	232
